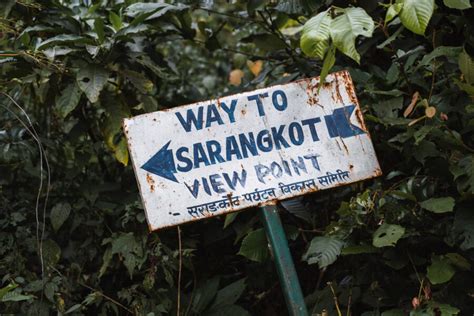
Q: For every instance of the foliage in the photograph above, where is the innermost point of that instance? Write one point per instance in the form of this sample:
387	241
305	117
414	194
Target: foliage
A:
71	70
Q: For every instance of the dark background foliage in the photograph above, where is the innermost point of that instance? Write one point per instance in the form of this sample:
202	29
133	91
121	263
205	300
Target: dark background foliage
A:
71	70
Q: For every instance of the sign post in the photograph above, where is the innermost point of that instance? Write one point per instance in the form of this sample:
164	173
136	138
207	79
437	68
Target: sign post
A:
251	149
284	262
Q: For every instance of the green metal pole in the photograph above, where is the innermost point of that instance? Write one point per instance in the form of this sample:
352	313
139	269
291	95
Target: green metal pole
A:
283	261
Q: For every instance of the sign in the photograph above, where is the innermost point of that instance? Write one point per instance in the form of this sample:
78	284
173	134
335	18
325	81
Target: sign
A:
214	157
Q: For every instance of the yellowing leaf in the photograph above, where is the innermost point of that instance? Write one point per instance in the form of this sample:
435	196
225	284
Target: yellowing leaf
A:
121	152
235	77
255	67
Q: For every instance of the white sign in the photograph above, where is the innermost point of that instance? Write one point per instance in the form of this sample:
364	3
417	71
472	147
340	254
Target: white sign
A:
214	157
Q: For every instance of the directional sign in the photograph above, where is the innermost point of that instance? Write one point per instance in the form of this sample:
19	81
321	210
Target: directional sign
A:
214	157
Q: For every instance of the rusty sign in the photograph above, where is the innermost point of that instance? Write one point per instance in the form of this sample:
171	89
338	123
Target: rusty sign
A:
214	157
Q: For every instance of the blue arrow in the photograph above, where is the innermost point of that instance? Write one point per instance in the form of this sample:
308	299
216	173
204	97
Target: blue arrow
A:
162	163
339	123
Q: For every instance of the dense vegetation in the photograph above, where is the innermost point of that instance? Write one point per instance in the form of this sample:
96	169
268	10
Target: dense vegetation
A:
73	237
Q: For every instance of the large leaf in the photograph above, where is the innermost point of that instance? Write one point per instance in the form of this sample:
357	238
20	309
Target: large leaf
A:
64	40
68	100
458	4
466	64
59	215
152	10
51	252
204	295
438	205
387	235
316	34
440	271
254	246
463	228
323	251
346	27
92	79
416	14
229	294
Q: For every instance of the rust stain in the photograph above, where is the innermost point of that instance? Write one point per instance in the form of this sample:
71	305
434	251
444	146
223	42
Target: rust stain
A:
243	112
349	86
312	92
151	182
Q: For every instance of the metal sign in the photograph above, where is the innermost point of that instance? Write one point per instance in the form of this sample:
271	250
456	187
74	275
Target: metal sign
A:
214	157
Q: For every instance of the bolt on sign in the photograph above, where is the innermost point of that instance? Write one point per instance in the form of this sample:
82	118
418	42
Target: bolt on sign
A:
250	149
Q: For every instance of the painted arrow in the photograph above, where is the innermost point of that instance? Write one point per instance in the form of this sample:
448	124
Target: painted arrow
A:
162	164
339	123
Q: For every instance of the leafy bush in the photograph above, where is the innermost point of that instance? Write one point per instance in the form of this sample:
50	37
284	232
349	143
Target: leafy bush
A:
73	236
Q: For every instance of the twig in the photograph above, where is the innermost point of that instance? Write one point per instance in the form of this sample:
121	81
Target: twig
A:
180	255
339	313
433	73
106	297
31	129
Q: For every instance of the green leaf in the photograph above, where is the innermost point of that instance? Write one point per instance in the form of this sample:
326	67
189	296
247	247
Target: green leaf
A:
68	100
51	252
316	34
346	27
466	64
458	261
8	288
440	271
387	235
463	228
254	246
106	257
73	308
229	294
16	297
416	14
204	295
64	40
59	215
139	80
393	11
329	61
358	249
99	29
442	309
447	51
438	205
323	251
229	219
115	20
151	11
458	4
92	79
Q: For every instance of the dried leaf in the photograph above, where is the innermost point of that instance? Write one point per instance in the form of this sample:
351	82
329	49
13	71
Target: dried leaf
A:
235	77
255	67
412	104
430	111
